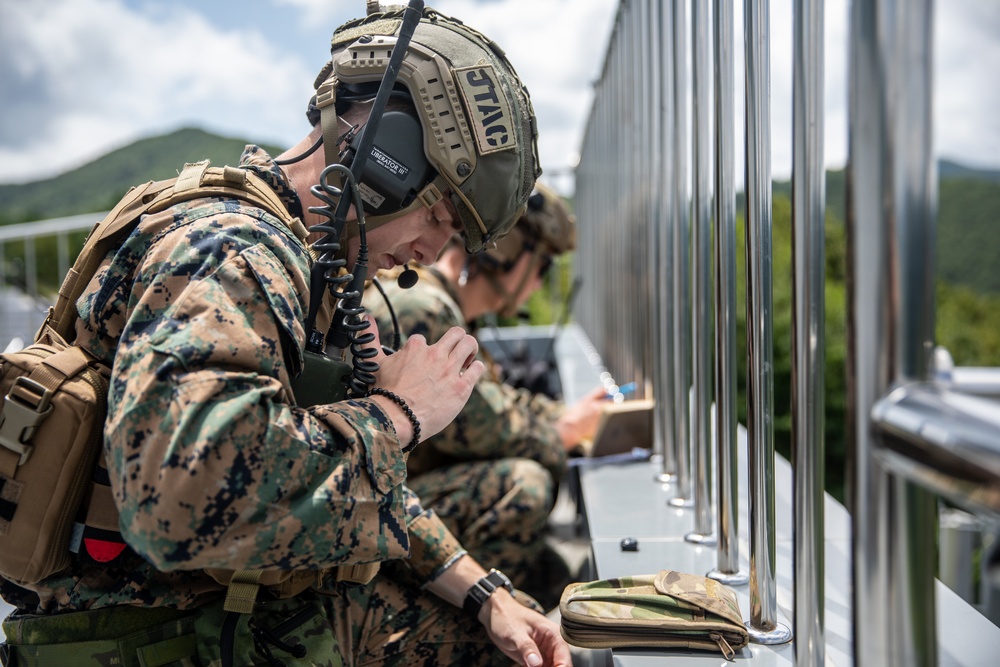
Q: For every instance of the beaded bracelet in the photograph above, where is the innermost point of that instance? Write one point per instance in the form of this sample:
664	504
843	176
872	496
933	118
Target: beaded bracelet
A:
406	408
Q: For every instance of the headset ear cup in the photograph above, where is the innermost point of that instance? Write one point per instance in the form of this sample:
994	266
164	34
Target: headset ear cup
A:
397	168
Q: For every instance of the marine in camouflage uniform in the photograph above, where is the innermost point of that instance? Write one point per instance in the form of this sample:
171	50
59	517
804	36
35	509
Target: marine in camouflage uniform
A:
491	475
195	309
200	314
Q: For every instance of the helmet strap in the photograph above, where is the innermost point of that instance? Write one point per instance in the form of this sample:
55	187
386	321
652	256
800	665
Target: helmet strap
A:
326	102
510	298
430	195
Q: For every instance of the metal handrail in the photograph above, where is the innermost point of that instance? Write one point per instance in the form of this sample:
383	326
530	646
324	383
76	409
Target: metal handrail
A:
945	440
29	232
913	427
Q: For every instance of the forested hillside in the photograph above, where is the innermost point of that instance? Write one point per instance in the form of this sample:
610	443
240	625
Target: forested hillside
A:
968	229
98	185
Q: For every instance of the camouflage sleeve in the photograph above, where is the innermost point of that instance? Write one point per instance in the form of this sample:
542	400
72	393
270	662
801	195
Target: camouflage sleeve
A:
433	548
498	420
210	464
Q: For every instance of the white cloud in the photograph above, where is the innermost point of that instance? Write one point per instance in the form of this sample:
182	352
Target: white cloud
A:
91	75
966	95
80	77
556	46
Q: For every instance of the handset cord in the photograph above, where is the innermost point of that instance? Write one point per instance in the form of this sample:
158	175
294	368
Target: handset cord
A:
348	325
392	315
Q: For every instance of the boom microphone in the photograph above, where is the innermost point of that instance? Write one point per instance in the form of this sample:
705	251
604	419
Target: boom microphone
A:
408	278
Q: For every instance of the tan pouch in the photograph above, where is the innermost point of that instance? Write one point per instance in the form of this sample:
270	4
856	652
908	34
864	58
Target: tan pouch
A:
51	431
665	610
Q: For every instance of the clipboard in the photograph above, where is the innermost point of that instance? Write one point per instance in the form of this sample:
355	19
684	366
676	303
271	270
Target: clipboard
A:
622	427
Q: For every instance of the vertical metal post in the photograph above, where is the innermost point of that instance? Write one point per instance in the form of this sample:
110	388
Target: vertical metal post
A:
615	329
680	264
661	26
764	626
701	36
643	324
890	225
62	256
631	111
30	267
727	568
808	336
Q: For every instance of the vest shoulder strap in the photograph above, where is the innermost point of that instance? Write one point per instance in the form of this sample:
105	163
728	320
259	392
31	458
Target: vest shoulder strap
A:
195	181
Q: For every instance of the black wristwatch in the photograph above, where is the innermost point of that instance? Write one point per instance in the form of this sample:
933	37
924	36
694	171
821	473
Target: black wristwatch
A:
483	589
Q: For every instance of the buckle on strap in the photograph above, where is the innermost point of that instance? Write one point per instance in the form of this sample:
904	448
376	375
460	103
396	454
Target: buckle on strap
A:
19	417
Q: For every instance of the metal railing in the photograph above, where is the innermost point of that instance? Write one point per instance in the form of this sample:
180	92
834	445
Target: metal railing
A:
24	295
913	435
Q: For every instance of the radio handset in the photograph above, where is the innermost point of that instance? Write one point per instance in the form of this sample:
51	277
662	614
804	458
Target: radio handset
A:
325	379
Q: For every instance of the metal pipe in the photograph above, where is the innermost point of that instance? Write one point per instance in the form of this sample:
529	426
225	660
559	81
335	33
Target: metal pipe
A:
891	202
680	264
643	324
662	25
30	267
808	332
764	626
62	254
944	440
727	568
701	36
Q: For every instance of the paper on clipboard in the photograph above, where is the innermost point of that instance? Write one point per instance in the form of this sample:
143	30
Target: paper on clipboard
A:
622	427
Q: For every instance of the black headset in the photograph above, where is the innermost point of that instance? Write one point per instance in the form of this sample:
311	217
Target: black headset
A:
397	168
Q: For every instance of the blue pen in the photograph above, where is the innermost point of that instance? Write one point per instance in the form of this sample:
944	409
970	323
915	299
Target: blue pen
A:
623	390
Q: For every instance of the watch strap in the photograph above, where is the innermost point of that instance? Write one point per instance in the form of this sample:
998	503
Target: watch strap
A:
481	591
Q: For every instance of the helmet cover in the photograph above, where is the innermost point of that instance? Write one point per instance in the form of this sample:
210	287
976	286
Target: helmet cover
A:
546	228
479	127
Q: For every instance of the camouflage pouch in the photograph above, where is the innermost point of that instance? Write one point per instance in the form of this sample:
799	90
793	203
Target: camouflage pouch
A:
665	610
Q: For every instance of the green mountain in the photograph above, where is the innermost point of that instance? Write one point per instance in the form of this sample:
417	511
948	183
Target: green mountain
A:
948	170
98	185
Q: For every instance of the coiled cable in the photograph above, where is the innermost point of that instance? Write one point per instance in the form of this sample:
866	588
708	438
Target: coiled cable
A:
348	326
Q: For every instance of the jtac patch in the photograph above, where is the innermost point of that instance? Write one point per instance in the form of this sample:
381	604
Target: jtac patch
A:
489	113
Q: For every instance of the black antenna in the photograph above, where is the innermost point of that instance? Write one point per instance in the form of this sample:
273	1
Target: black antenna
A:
411	17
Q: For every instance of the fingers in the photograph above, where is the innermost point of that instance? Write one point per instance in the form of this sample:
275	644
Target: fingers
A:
530	655
460	346
600	393
558	650
474	371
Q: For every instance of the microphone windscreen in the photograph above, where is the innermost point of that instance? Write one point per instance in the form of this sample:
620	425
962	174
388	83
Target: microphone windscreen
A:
408	278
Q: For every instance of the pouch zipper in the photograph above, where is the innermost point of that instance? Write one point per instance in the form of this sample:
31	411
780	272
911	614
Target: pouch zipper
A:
727	650
582	631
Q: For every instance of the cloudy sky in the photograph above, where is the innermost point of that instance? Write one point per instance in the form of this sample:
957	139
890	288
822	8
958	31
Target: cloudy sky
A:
81	77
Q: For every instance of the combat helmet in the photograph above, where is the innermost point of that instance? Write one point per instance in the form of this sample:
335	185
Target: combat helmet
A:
546	229
479	134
